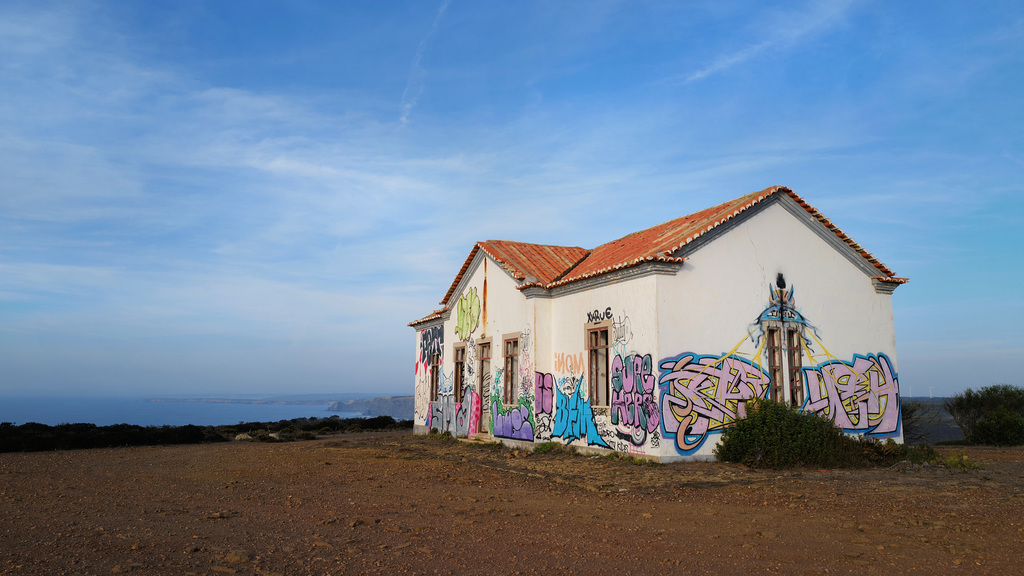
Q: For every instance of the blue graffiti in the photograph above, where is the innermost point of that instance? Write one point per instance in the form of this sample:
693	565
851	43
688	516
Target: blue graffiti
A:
574	419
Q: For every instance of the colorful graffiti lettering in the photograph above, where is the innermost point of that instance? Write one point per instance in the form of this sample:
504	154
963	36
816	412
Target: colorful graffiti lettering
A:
633	403
574	419
469	314
515	424
572	363
545	389
447	415
597	315
495	394
860	396
431	342
701	395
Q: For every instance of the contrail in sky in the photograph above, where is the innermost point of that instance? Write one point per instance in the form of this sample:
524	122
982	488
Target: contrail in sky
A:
820	16
414	84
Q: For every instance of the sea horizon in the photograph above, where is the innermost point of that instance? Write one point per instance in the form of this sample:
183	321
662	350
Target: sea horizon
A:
159	409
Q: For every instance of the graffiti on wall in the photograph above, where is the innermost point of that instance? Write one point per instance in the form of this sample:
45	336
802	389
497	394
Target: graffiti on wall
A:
468	314
622	333
447	415
545	392
574	418
495	395
701	395
634	408
860	396
515	423
431	342
571	363
597	315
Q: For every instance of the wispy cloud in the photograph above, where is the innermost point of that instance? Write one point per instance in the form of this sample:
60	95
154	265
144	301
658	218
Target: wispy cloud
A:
787	30
414	83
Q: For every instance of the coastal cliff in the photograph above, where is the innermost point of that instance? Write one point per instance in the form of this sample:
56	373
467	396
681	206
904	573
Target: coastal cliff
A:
398	407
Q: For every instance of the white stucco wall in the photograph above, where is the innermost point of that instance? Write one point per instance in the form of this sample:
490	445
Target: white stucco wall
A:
711	308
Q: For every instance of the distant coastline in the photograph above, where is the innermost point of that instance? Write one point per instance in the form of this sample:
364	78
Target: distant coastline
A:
247	401
399	407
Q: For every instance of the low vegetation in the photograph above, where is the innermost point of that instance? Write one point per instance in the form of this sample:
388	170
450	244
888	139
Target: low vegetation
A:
993	415
34	437
777	436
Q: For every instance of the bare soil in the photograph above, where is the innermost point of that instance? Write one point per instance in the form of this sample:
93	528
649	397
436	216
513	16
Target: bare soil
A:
393	503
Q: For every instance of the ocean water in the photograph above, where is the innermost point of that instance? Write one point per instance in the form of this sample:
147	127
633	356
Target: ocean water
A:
104	411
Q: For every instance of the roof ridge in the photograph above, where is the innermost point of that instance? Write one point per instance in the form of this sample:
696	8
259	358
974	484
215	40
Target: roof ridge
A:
665	239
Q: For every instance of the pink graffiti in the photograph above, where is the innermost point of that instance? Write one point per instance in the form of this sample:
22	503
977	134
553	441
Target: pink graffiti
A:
704	394
474	413
633	405
862	396
545	390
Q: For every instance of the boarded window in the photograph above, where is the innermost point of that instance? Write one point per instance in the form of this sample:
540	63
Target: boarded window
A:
597	353
483	359
510	392
775	363
460	367
794	359
435	375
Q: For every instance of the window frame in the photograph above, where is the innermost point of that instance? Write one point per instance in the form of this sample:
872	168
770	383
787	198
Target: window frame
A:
481	358
510	364
435	376
775	350
598	386
794	363
459	379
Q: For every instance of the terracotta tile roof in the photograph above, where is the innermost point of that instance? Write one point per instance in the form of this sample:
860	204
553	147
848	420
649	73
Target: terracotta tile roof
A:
550	266
432	316
660	242
535	264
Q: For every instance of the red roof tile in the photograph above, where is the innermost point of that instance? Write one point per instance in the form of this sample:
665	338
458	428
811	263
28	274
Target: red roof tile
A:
536	264
660	242
432	316
550	266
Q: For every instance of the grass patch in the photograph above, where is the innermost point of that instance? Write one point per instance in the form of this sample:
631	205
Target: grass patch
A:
553	448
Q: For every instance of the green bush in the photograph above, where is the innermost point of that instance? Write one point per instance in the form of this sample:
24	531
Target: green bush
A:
775	435
1000	427
969	408
778	436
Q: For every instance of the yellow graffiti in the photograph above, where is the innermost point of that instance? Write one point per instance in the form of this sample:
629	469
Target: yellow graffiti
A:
469	314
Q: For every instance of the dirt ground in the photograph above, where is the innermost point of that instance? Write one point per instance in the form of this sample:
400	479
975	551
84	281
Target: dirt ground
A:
393	503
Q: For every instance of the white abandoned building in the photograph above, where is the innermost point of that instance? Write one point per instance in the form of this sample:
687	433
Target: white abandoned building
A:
650	344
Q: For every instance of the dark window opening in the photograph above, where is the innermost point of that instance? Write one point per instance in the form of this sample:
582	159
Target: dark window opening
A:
597	353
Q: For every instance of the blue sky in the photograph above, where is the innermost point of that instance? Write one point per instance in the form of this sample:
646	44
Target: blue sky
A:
222	197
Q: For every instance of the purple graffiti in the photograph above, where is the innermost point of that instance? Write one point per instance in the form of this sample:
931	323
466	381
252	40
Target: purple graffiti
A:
545	387
633	404
574	419
860	396
514	424
704	394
